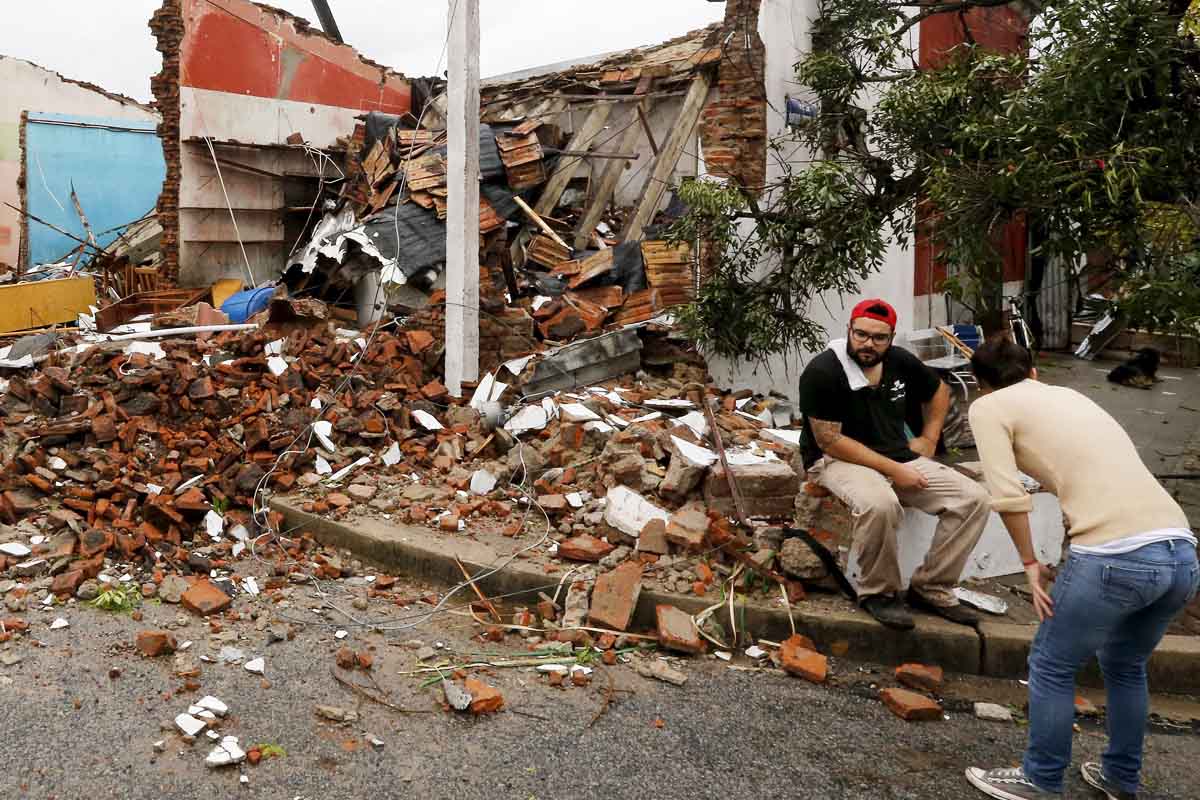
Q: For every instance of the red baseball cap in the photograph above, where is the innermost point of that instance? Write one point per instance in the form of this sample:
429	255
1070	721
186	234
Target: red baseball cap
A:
863	309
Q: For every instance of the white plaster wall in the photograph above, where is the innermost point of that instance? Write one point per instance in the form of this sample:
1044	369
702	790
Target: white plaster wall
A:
28	87
784	26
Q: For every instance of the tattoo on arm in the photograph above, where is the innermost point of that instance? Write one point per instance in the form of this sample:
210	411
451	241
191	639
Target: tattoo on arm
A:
826	433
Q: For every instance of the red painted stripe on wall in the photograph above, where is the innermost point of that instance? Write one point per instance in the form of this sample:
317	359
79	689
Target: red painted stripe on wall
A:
237	47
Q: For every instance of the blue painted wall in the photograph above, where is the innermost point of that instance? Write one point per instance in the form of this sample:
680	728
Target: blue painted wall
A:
116	166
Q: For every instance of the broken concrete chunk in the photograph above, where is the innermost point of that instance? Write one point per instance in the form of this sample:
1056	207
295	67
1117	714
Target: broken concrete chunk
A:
172	588
659	670
337	714
628	512
677	630
992	712
456	697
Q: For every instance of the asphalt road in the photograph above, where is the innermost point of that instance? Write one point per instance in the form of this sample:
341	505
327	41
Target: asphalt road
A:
71	731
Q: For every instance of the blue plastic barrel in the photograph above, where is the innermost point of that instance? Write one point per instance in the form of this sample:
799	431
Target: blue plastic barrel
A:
244	305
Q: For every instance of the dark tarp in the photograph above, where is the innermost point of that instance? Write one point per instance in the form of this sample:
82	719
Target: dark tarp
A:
421	236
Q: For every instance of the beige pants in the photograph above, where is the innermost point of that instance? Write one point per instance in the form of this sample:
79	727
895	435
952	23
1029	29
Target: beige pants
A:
877	508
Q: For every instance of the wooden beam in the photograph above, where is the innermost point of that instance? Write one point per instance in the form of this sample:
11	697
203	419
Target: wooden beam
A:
649	131
541	223
607	185
583	139
682	131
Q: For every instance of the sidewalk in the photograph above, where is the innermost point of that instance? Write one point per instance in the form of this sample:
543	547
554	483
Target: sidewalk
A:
998	649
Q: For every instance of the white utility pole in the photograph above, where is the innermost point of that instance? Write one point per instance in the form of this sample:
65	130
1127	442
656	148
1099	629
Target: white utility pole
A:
462	201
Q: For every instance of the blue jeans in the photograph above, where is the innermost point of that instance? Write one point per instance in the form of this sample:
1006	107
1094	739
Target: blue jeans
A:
1118	608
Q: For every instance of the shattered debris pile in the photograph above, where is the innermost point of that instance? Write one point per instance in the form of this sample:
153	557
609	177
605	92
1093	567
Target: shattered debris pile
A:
388	220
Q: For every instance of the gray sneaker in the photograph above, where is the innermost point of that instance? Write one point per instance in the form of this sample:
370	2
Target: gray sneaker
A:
1006	784
1093	773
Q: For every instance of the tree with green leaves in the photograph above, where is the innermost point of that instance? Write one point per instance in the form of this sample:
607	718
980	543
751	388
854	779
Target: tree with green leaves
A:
1088	132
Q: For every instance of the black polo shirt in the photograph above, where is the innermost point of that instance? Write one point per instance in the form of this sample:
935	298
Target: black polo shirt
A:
876	415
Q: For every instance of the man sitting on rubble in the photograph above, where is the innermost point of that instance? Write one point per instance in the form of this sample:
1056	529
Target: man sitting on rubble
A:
862	399
1131	567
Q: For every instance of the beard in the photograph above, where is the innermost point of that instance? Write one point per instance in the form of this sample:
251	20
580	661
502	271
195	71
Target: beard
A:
865	357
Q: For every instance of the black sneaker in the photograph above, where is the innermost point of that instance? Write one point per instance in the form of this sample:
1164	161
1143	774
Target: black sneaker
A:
1006	784
888	611
1093	773
957	613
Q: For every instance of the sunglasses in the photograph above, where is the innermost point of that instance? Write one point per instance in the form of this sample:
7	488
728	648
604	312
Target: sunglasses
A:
862	337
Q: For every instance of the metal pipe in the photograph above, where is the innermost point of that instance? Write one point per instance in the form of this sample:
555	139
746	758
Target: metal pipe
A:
328	23
154	334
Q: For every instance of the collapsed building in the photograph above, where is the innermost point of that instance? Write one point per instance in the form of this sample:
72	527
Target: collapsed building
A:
293	163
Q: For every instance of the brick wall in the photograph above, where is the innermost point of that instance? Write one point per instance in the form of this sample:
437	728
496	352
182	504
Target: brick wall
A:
168	29
733	127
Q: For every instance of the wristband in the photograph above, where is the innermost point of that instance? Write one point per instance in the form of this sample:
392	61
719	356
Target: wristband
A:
1028	563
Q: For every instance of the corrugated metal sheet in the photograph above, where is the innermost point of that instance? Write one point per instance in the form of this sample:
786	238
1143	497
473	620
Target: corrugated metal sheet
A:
419	233
1055	303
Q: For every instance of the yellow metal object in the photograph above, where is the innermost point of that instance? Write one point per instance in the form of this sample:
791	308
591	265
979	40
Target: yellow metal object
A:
224	289
37	304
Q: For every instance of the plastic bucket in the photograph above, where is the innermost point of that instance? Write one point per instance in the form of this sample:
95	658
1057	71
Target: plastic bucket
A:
244	305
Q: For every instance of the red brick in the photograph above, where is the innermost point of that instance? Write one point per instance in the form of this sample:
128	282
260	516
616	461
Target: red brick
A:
797	657
204	598
67	582
920	677
449	523
687	529
484	699
419	341
677	630
653	538
155	643
584	548
911	706
615	596
338	500
553	504
345	658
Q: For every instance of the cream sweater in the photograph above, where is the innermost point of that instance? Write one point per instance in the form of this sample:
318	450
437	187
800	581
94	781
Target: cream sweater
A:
1075	450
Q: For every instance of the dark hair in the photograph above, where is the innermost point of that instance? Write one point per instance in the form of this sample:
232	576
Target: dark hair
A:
1000	363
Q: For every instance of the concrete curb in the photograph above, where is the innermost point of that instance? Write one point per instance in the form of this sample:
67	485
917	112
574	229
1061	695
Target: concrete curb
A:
997	649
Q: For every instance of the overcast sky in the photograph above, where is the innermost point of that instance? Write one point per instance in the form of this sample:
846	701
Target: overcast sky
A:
107	42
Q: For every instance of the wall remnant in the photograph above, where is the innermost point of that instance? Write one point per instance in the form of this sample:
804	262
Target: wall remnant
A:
733	130
262	89
32	88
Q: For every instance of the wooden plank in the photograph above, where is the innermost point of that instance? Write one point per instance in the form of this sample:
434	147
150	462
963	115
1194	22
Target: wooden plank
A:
584	138
605	188
36	304
682	132
541	223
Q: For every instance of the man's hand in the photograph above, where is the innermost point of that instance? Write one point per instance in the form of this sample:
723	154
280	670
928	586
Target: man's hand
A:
1039	577
907	477
922	446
